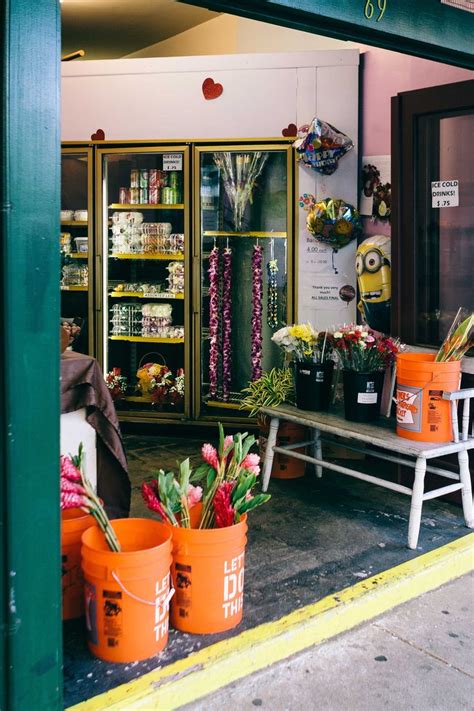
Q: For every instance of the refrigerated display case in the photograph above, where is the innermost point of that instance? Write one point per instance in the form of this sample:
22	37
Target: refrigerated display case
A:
77	243
243	265
143	278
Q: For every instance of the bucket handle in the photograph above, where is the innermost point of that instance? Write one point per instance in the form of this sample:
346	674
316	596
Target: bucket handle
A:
139	599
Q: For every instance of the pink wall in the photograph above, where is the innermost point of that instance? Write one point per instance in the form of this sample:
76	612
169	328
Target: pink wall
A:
386	74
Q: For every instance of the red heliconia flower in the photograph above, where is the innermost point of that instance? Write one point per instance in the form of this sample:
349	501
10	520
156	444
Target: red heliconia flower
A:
68	470
150	497
73	501
224	513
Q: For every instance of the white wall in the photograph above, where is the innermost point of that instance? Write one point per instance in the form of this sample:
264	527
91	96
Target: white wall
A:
161	98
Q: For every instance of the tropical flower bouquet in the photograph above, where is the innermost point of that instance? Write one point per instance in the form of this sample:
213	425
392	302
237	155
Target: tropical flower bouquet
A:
158	382
116	383
313	356
460	338
228	476
364	356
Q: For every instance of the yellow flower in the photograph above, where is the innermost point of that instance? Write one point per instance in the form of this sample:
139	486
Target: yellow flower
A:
303	332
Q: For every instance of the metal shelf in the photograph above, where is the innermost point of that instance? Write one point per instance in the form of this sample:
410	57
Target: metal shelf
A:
79	255
74	288
141	295
279	235
145	206
74	223
146	339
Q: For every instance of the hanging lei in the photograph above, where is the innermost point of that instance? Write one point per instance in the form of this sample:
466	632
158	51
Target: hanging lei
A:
272	294
213	320
257	297
226	323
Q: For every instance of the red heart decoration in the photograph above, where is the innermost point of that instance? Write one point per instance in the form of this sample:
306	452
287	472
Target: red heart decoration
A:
210	89
290	131
99	135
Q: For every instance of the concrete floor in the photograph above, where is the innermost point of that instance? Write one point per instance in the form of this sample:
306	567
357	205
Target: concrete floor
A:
313	538
417	657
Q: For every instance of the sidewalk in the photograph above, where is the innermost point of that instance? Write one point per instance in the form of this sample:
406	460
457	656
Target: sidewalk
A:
418	656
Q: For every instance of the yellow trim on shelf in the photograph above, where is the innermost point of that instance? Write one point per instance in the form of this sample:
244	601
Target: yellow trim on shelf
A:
79	255
137	398
74	288
140	295
146	339
146	206
214	667
225	405
212	233
75	223
148	255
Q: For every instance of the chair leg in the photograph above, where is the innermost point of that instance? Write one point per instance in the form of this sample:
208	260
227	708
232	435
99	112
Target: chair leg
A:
317	453
416	503
466	491
268	461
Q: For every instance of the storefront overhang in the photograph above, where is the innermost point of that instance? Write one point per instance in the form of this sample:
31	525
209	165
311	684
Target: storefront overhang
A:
425	28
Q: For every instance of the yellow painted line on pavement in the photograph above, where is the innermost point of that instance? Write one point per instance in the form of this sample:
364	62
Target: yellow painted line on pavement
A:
214	667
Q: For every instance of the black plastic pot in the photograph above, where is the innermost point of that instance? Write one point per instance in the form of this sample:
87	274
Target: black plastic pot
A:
313	385
362	395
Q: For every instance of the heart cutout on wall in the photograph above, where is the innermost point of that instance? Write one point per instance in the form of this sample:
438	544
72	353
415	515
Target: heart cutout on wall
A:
291	131
211	89
99	135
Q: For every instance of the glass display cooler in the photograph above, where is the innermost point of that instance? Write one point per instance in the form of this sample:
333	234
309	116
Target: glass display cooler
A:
76	244
143	279
243	261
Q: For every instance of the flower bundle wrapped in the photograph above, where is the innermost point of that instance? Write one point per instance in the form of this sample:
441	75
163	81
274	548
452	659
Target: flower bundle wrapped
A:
257	297
303	343
363	351
116	383
460	338
229	473
77	492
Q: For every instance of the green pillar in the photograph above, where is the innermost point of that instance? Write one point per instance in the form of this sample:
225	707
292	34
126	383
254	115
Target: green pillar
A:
30	654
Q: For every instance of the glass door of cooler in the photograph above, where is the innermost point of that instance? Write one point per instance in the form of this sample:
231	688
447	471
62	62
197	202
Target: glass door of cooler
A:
144	286
243	263
76	244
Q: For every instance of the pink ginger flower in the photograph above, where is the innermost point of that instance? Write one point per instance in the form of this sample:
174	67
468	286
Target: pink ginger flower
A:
70	487
251	464
73	501
150	497
194	495
68	470
209	455
228	440
223	510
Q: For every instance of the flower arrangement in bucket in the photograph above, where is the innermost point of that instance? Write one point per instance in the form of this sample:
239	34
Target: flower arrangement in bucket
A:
158	383
364	356
209	525
313	356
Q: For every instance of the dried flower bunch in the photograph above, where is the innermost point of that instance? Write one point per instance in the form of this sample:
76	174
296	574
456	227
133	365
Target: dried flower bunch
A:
77	492
364	351
228	475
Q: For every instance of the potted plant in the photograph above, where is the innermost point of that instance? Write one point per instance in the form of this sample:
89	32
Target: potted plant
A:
364	356
208	525
312	355
272	389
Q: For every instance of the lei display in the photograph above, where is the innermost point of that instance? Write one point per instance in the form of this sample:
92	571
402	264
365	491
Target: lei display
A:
213	320
226	323
257	296
272	293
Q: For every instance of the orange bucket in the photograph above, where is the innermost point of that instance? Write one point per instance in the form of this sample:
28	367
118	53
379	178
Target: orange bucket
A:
127	594
284	467
208	576
422	414
73	524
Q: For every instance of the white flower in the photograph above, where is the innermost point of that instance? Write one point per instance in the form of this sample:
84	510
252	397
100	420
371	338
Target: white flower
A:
337	334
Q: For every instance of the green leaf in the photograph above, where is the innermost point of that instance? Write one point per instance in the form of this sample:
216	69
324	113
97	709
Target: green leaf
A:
221	440
257	500
200	473
211	476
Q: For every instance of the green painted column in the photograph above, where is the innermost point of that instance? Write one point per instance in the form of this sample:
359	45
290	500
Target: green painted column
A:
31	647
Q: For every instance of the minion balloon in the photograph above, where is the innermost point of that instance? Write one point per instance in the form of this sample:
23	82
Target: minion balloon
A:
373	259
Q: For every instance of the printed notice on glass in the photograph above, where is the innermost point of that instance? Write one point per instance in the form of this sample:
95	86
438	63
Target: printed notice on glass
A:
321	295
445	193
173	161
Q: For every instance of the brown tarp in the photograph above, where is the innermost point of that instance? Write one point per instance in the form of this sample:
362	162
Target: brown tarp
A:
82	385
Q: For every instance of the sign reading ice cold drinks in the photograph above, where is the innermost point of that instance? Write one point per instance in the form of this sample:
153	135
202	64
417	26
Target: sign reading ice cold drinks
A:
173	161
445	193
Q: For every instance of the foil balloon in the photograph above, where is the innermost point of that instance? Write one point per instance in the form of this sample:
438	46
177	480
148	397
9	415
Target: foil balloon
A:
373	268
334	222
347	293
321	146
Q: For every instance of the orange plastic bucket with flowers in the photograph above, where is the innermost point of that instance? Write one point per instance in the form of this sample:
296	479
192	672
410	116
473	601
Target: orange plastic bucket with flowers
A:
208	576
127	594
73	524
422	414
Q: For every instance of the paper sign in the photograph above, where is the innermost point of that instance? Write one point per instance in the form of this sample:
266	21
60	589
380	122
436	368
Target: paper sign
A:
173	161
445	193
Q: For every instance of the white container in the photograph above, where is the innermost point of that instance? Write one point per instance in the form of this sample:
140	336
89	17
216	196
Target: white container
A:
67	215
81	244
80	215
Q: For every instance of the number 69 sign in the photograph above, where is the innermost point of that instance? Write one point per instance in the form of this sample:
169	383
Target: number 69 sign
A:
369	9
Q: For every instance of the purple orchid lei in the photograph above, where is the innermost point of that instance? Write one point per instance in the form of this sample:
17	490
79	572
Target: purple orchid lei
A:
257	298
213	320
226	323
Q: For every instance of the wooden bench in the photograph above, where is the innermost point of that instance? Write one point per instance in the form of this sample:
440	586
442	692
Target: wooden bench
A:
325	427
